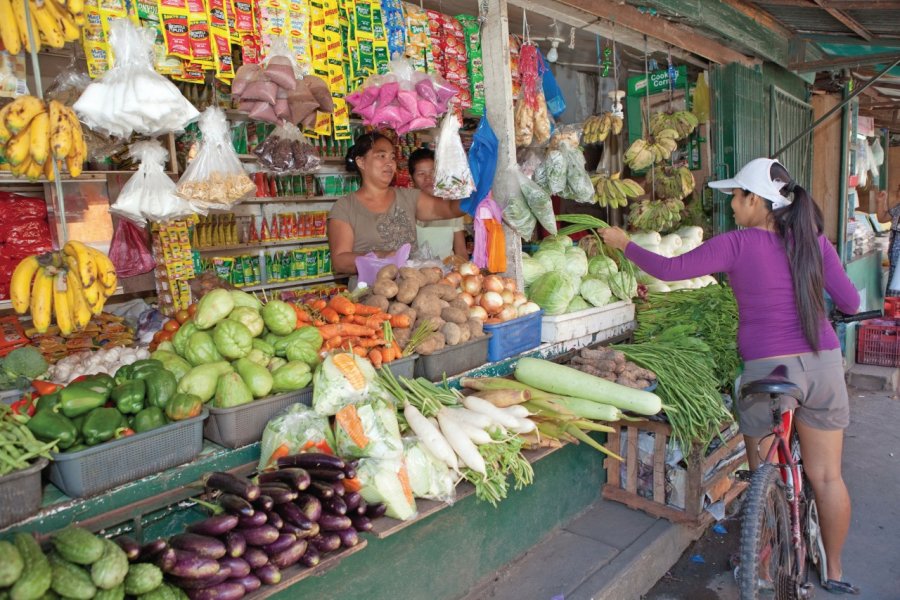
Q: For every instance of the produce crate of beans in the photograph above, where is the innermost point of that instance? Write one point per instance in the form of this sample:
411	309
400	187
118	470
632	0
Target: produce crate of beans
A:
113	463
514	337
244	424
20	493
644	481
879	343
602	323
453	360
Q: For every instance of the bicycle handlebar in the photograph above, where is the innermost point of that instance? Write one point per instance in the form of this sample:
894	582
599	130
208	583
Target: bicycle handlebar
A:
839	317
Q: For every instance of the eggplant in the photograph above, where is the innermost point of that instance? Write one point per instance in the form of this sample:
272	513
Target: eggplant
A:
311	557
349	537
188	564
274	519
280	493
351	499
292	513
361	523
363	507
289	556
238	566
374	511
166	559
215	525
251	583
284	541
320	489
228	590
327	474
235	544
295	477
259	536
255	557
269	574
330	522
335	505
232	484
299	531
310	506
338	487
326	542
129	546
264	503
189	583
312	460
350	472
203	546
259	518
151	549
237	505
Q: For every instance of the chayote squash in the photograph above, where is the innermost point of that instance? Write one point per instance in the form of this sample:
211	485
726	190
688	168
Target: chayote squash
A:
181	337
201	381
213	307
280	317
249	318
291	376
231	391
247	300
233	340
201	349
256	377
172	363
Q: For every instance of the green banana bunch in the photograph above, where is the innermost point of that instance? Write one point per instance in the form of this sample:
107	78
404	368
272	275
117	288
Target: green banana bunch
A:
598	127
672	183
656	215
682	122
615	192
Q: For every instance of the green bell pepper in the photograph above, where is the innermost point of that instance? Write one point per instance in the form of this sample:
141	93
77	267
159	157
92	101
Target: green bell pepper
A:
101	425
102	379
129	396
149	418
77	448
82	397
161	386
48	425
138	369
47	402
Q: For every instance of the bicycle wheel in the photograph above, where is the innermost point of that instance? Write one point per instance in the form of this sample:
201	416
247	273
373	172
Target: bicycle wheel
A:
765	535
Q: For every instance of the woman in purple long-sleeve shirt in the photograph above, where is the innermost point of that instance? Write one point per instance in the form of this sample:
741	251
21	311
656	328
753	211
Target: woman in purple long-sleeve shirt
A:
779	265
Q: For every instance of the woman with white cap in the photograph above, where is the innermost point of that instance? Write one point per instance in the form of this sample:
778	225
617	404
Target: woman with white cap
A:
779	265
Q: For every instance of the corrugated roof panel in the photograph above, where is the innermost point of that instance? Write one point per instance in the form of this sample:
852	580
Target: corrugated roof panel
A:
812	20
879	22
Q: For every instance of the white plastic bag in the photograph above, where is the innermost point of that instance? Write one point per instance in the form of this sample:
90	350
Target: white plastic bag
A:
150	194
131	97
452	177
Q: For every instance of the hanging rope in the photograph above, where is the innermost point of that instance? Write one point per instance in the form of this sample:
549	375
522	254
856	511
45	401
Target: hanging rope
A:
647	111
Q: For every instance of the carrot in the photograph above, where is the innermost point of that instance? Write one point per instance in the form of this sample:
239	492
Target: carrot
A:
319	323
352	484
375	322
375	357
333	342
330	315
342	305
370	342
331	330
348	342
302	315
364	309
350	370
318	305
360	351
400	321
279	452
388	354
348	419
357	319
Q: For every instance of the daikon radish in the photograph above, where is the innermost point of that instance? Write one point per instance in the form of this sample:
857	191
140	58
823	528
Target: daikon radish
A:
431	436
465	449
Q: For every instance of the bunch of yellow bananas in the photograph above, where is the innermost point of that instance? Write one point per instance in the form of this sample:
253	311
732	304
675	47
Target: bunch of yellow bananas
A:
655	215
598	127
34	134
74	284
615	192
53	22
645	152
683	122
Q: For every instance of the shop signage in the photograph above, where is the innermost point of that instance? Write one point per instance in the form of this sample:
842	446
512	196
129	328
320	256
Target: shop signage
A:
659	81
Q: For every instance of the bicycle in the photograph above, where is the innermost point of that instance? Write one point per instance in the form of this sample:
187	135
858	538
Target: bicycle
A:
780	530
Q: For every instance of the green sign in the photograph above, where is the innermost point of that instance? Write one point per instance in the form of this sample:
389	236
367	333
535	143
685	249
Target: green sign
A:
659	81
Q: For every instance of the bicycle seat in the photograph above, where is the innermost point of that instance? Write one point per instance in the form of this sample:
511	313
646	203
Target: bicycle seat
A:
775	384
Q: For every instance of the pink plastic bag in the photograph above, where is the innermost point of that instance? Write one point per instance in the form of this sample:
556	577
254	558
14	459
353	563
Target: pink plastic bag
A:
128	251
488	209
367	266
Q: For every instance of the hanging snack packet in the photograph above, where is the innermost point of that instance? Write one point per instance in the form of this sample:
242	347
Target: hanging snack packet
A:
452	176
286	150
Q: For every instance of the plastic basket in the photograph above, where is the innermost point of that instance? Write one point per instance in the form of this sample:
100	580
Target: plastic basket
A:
242	425
879	343
453	360
107	465
404	367
20	493
514	337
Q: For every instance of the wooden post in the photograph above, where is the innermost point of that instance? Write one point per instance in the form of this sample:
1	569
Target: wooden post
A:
499	110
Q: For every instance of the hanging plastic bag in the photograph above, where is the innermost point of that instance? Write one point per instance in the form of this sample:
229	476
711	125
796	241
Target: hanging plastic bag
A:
516	212
578	183
215	178
490	241
551	173
286	150
128	250
556	103
368	265
150	194
131	97
538	202
452	177
482	164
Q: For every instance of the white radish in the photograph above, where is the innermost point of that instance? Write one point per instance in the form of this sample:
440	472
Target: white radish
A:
475	433
460	442
431	436
477	419
484	407
525	426
517	410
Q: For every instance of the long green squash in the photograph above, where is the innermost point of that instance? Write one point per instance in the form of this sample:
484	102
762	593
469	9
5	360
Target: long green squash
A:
566	381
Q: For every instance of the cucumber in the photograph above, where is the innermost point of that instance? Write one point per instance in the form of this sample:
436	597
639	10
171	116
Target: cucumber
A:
78	545
10	564
111	569
116	593
142	578
70	580
36	576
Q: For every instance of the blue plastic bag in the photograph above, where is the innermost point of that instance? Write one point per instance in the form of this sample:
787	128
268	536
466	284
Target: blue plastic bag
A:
482	163
556	103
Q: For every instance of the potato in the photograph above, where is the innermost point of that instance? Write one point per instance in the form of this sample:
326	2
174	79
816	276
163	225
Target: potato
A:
432	274
378	301
401	336
476	326
432	344
441	290
387	272
460	304
465	334
452	334
434	323
386	288
455	315
397	308
413	274
409	289
427	305
444	304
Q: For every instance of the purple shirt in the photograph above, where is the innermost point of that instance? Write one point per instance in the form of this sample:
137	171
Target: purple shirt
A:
758	270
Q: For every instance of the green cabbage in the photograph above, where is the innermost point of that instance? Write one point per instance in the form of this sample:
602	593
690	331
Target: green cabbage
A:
553	291
531	269
596	292
557	242
552	259
602	267
576	262
577	303
623	285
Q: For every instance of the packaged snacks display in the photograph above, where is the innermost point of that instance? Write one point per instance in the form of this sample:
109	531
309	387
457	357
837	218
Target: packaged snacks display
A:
286	150
474	63
452	177
150	194
174	265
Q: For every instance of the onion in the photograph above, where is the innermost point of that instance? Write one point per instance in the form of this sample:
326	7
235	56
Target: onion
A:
509	284
448	281
476	312
469	268
507	296
477	299
519	299
471	284
467	298
508	313
492	302
493	283
455	277
528	308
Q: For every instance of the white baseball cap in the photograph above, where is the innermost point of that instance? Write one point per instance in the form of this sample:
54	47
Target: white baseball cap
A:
755	177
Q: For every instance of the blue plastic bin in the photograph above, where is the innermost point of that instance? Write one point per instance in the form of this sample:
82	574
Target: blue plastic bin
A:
514	337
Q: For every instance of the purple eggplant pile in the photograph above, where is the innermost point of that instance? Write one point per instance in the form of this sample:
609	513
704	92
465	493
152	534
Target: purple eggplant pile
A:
291	515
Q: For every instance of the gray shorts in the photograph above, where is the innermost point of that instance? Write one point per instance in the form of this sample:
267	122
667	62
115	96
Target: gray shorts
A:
821	378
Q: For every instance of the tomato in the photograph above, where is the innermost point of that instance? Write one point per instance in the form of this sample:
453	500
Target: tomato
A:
171	325
164	336
157	335
192	309
182	315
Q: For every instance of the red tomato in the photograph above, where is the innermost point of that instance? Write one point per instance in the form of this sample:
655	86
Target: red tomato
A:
164	336
171	325
182	315
192	309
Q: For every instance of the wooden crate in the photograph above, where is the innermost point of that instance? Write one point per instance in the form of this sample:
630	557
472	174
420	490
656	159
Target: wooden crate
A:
696	486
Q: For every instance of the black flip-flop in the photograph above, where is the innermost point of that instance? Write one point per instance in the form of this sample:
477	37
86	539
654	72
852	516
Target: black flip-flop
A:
840	587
